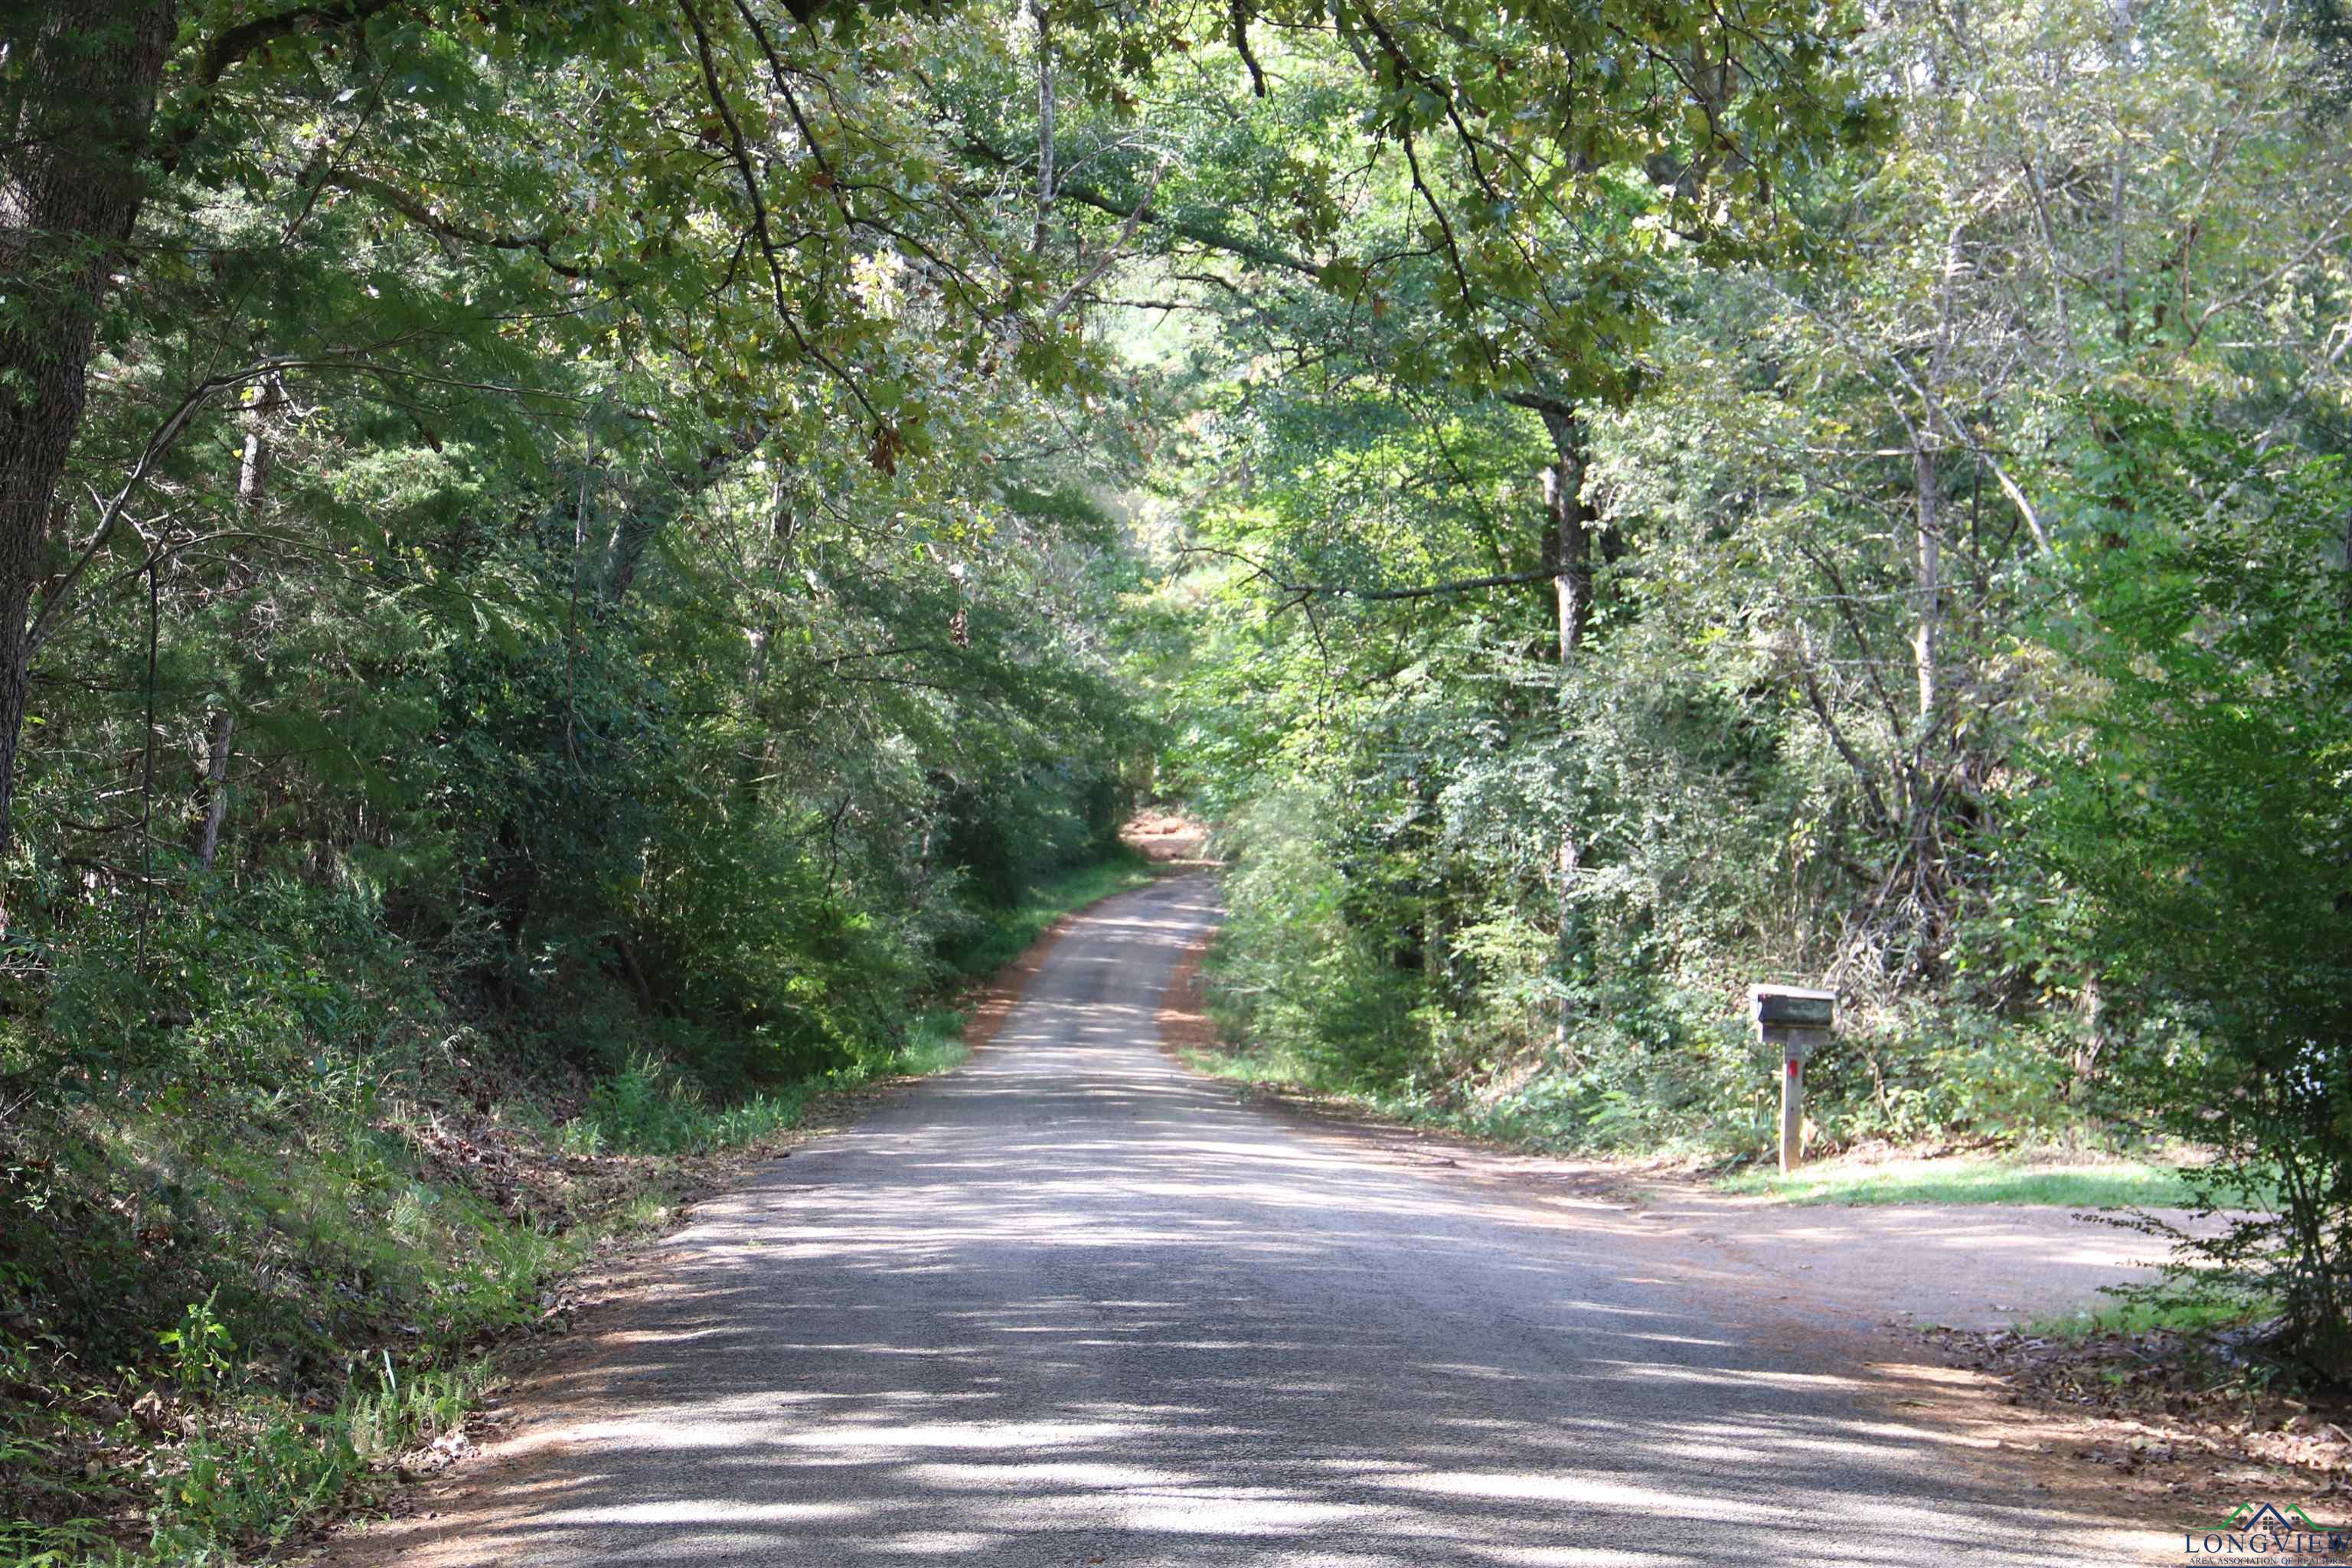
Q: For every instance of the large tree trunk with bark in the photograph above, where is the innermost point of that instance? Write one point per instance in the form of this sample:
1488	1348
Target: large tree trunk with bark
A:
80	102
1571	540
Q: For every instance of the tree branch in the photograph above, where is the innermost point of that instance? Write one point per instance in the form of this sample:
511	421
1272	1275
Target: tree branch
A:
1111	254
740	155
1241	47
425	217
1934	410
1212	236
1300	591
232	46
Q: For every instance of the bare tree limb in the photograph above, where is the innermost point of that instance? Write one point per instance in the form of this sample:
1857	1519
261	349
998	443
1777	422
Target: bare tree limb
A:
1936	412
1111	255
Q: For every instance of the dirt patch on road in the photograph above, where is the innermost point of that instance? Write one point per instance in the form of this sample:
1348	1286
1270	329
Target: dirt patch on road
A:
990	1002
1167	841
1183	1016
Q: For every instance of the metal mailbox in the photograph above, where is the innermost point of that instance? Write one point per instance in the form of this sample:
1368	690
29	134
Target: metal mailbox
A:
1799	1019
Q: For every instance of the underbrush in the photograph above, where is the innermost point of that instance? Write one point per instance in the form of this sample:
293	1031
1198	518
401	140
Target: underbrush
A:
1468	1037
651	1107
335	1272
1715	1104
1352	972
1677	1079
240	1310
994	937
275	1196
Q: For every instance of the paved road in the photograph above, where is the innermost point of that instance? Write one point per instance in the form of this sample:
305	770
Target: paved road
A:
1074	1305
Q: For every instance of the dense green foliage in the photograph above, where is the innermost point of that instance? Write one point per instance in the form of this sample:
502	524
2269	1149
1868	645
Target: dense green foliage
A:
1940	598
560	575
565	625
2200	789
560	572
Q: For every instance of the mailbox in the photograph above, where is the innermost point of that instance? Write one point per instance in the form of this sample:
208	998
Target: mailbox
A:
1793	1006
1799	1019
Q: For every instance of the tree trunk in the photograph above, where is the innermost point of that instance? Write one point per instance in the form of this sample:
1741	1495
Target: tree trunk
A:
262	399
2091	1045
1046	107
1925	772
1571	548
216	756
2121	58
762	762
1928	581
81	108
1571	541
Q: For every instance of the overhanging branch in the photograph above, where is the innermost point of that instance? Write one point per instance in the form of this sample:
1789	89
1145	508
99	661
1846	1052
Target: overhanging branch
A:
1214	237
425	217
1299	593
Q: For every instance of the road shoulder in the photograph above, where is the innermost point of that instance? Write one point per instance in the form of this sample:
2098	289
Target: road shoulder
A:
1760	1255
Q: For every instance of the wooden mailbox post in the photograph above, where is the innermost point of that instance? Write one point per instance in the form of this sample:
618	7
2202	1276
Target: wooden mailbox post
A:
1798	1019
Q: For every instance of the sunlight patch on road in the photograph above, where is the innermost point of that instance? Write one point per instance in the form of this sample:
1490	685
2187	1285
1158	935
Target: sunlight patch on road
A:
1592	1493
664	1429
1728	1377
1085	1474
1185	1512
1009	1434
716	1512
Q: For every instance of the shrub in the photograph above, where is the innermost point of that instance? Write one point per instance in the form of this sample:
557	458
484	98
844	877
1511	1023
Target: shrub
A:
2199	808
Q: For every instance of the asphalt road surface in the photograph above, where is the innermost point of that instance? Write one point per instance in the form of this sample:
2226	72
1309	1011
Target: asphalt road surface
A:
1075	1305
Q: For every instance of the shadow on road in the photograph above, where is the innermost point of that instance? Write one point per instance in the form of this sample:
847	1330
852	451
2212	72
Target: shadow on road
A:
1071	1305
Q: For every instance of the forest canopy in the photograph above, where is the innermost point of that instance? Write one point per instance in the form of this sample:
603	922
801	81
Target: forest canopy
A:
611	546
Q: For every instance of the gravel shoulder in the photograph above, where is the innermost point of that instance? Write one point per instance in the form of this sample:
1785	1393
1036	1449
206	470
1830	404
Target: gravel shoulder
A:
1981	1266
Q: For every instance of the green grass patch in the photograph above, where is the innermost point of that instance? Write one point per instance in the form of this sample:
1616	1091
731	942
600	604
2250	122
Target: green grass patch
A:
934	1045
1000	938
1272	1068
652	1108
2166	1310
2100	1184
649	1106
